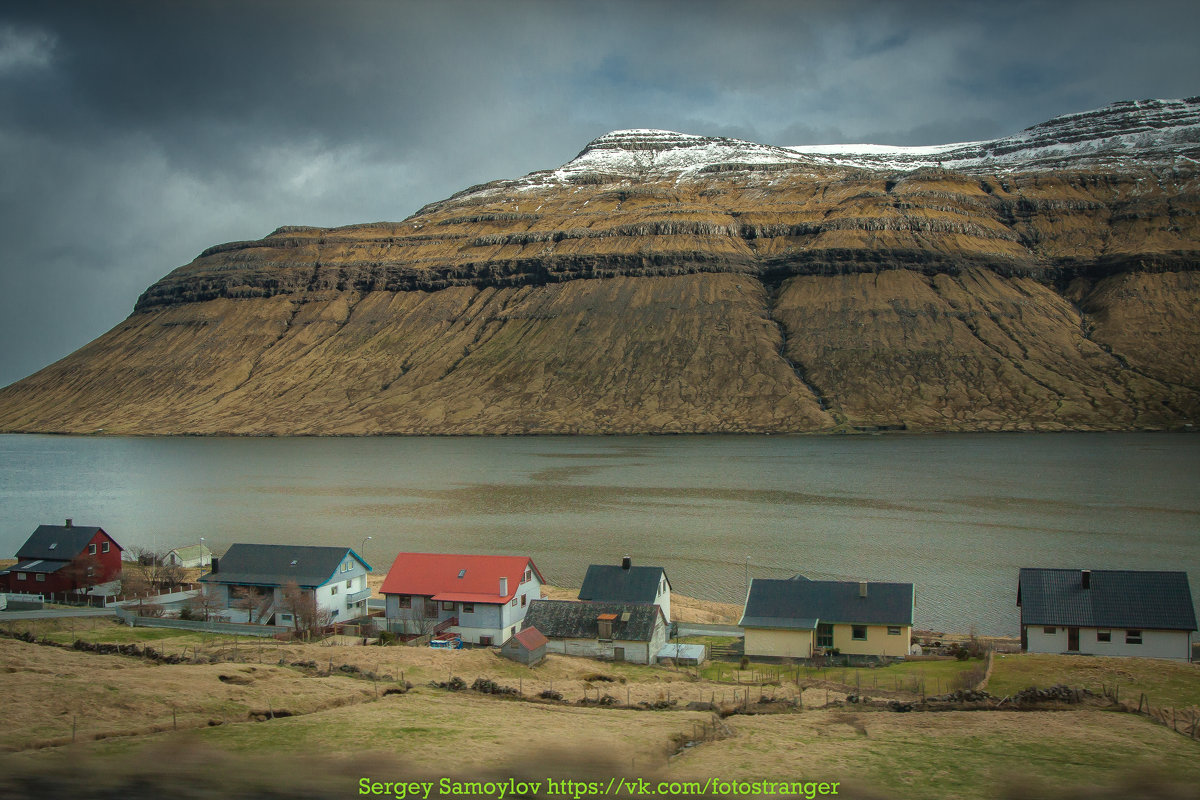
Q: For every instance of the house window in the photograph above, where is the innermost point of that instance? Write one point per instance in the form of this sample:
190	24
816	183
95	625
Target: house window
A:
1049	630
604	629
468	608
285	617
91	571
522	601
350	583
893	630
104	547
92	549
486	641
528	575
447	606
333	590
335	613
824	635
1103	636
462	573
513	603
21	576
404	600
858	632
41	576
1133	637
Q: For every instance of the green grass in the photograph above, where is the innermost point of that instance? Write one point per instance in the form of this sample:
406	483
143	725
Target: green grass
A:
111	631
1165	683
936	677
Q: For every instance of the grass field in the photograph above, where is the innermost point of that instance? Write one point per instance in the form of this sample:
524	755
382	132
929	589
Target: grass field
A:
124	710
1165	683
911	677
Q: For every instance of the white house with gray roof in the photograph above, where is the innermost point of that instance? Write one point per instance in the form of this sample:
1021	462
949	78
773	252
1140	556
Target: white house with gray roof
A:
633	632
625	583
336	576
1105	612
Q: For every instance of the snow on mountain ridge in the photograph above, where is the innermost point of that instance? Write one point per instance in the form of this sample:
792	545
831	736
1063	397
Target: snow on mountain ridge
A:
1122	135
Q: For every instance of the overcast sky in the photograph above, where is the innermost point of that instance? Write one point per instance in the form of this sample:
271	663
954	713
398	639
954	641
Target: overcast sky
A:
135	134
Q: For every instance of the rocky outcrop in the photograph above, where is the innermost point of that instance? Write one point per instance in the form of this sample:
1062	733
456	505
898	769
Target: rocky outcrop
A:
663	282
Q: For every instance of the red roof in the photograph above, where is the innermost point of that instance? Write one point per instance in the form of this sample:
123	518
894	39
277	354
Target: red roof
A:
531	638
438	575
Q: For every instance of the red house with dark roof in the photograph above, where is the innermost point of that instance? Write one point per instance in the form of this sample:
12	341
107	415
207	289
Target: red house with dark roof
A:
63	559
481	598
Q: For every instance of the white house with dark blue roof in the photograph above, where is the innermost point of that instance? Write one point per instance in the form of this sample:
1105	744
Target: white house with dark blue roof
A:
249	581
1104	612
799	618
610	583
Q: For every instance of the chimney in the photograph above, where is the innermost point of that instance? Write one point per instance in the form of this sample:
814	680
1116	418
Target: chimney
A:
216	562
1087	578
504	587
862	588
68	522
626	562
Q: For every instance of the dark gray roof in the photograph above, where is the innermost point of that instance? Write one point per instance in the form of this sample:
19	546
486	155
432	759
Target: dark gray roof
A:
40	565
277	564
612	584
577	619
1118	598
57	542
801	604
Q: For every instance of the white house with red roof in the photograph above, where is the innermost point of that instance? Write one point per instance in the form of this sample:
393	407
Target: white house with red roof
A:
481	598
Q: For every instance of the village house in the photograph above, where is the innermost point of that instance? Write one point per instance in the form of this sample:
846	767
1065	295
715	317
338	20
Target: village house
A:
1106	612
799	618
481	598
249	582
633	632
196	555
610	583
65	560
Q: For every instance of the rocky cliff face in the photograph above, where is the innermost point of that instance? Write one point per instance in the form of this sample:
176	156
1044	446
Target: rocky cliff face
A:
662	282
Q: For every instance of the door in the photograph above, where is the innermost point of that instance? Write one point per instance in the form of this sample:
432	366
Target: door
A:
618	654
1073	640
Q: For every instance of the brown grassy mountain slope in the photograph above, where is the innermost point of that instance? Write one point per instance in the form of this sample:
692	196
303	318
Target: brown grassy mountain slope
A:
789	297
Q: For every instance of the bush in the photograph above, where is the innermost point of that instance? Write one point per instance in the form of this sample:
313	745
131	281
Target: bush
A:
744	663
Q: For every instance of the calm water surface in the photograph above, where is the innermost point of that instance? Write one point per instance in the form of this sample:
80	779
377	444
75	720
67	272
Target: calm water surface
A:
957	515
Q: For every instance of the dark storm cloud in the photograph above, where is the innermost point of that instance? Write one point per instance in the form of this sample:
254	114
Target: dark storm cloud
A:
134	134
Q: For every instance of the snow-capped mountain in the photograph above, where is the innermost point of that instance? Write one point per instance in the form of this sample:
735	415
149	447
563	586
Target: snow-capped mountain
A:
1146	133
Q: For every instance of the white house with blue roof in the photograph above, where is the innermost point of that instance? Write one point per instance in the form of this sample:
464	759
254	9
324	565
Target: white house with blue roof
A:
249	581
1106	612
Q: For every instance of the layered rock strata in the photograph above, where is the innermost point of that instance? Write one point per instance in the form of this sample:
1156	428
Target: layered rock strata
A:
670	283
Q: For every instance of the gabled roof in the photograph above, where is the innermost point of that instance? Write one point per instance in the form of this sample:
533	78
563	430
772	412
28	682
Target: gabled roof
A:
1114	599
611	583
59	542
803	604
579	619
191	551
277	564
458	578
530	638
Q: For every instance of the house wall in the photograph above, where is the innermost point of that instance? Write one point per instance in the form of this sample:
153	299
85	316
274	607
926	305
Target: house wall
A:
635	652
663	599
779	643
1155	644
333	593
878	642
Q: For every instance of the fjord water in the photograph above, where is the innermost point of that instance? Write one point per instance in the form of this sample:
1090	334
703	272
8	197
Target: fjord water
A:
957	515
